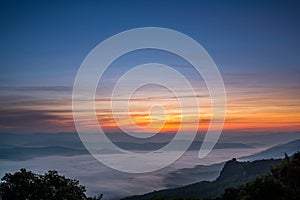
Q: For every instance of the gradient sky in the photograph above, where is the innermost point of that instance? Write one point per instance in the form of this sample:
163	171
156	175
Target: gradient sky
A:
255	44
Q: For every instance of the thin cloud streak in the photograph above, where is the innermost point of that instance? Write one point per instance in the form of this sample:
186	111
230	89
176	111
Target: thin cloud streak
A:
254	102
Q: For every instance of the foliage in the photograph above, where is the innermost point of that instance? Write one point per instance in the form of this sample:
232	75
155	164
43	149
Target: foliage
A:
27	185
283	183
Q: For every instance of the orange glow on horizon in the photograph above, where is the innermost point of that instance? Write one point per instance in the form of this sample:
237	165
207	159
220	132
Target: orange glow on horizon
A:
249	110
261	112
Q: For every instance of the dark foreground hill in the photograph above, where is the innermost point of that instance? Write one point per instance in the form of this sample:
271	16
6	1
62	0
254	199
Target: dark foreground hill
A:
233	174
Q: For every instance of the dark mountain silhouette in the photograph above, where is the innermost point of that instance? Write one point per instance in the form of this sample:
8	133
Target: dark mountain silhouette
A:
233	174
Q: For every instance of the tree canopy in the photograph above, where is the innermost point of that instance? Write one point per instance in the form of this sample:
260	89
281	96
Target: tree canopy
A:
28	185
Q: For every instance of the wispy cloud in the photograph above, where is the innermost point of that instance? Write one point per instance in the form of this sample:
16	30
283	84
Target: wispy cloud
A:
255	101
37	88
22	120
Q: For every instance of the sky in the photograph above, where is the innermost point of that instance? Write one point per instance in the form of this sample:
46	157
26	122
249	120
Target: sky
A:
255	45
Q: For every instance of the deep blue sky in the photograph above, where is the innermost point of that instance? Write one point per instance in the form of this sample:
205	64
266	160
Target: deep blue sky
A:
42	41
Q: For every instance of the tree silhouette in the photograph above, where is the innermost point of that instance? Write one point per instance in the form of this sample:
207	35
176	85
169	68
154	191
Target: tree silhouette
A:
27	185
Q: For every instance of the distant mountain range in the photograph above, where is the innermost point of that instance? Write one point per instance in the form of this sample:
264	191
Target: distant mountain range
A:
152	146
276	151
25	153
41	140
27	146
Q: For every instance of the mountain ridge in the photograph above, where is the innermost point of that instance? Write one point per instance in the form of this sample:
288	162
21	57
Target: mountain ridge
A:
233	174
